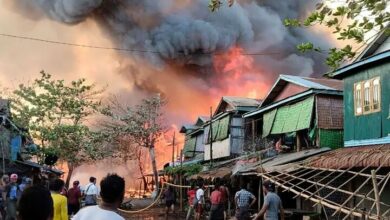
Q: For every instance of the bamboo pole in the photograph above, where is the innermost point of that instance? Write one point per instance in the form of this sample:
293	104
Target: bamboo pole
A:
383	187
335	170
325	203
181	181
361	201
376	193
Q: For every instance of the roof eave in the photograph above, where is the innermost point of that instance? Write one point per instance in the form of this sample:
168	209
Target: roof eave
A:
341	72
291	99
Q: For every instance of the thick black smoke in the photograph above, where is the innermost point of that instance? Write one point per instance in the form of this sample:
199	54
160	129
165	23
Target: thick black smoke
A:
185	32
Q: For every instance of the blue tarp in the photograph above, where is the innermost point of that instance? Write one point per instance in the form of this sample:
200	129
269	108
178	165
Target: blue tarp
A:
16	143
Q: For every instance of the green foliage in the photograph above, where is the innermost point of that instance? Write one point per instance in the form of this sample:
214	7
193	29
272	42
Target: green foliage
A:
54	112
216	4
186	170
345	23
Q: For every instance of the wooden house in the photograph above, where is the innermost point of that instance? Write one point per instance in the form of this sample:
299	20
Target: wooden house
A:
193	144
227	127
367	98
299	112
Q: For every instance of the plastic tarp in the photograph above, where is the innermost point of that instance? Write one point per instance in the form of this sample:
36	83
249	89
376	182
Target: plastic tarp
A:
268	120
189	147
223	129
16	144
294	117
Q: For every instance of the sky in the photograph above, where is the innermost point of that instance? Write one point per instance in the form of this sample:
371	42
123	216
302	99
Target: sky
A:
22	60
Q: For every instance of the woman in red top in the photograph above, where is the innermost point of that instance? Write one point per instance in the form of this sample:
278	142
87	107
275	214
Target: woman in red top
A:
191	196
224	199
216	211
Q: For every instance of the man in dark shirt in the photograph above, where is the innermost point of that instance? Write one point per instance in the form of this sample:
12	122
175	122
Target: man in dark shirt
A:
74	195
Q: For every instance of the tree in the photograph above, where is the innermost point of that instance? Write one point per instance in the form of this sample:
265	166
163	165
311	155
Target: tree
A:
358	21
55	114
136	127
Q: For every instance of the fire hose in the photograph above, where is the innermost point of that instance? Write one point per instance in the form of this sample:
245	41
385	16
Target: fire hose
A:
157	198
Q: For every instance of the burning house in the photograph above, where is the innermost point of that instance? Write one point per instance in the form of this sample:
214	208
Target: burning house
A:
299	113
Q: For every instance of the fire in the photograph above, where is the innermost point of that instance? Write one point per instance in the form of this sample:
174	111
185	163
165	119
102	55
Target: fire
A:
239	73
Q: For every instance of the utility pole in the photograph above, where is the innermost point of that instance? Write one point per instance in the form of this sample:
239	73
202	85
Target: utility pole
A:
211	137
173	149
181	180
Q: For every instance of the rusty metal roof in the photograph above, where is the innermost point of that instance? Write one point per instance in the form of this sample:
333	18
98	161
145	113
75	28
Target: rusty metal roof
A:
367	156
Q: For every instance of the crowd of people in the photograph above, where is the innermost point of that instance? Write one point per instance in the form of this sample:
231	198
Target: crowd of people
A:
219	200
26	201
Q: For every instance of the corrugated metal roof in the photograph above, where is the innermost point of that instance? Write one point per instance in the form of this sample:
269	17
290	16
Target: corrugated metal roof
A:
368	156
290	99
241	101
373	46
281	159
306	82
313	83
341	72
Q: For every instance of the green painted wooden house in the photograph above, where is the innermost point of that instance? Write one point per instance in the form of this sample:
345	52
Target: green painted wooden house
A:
367	97
299	112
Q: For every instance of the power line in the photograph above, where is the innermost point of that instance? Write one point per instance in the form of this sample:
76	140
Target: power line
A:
117	48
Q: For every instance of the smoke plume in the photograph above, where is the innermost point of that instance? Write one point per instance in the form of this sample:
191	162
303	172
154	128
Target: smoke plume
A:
192	56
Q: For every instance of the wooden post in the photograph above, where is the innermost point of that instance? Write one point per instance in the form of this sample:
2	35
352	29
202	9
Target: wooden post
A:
173	149
181	181
253	135
211	137
377	197
259	195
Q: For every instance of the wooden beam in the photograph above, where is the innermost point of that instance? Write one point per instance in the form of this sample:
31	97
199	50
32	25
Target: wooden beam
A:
324	203
376	193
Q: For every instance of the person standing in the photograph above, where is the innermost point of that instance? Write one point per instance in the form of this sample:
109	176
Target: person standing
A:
60	203
91	192
3	183
216	211
191	197
243	200
12	194
225	195
199	201
112	193
35	203
170	199
74	196
26	182
272	204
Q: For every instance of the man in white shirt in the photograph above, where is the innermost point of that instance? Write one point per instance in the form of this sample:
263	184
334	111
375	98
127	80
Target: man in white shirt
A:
112	193
91	192
200	198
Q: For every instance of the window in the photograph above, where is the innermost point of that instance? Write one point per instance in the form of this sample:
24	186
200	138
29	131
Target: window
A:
367	96
376	94
358	99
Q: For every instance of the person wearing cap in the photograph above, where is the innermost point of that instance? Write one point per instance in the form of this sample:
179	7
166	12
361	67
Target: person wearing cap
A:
12	194
74	196
272	204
